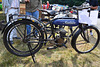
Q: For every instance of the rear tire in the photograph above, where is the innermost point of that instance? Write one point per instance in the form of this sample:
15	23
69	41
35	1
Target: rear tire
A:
19	46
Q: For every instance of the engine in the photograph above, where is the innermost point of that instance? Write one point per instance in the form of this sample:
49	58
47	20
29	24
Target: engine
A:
60	37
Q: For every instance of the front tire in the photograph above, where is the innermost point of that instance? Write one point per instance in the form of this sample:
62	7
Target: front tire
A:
82	45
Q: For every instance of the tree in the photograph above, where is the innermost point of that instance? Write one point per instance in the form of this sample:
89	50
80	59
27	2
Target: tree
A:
69	2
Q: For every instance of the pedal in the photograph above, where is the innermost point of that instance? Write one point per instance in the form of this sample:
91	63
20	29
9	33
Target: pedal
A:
64	45
52	47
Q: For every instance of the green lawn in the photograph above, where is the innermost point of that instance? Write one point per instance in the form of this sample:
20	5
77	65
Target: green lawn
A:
60	57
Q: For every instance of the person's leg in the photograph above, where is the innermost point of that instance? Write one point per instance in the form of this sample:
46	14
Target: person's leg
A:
11	11
14	31
91	32
7	18
36	14
28	26
28	13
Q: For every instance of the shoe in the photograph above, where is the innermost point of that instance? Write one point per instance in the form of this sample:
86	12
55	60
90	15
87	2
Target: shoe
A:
16	37
11	42
91	33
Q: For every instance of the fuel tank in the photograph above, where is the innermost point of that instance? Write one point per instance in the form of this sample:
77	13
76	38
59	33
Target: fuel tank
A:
66	22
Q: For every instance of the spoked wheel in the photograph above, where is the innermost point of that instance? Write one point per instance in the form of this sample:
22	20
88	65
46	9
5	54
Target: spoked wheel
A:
87	41
19	45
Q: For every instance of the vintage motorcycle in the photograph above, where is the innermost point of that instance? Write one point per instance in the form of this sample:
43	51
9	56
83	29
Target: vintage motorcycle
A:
55	30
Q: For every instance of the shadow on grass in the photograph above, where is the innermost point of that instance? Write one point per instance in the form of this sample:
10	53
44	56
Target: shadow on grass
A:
58	63
7	59
95	55
75	61
48	53
98	46
83	63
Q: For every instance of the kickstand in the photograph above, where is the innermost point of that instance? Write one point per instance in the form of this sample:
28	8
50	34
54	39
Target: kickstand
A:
32	55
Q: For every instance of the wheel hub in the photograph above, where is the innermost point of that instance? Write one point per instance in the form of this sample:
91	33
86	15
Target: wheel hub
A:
25	40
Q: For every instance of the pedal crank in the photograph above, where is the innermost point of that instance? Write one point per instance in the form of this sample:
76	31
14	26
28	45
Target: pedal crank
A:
64	45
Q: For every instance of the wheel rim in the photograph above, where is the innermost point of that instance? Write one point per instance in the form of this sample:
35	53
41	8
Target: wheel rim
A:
19	46
82	45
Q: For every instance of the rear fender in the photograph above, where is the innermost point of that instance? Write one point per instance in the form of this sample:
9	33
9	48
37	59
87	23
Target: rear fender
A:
23	17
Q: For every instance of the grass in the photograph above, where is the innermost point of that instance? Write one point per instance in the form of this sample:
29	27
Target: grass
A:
60	57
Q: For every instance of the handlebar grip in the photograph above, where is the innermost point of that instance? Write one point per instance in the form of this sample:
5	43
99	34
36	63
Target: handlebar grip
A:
65	10
81	8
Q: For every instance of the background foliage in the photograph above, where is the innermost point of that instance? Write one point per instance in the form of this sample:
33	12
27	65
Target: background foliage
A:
69	2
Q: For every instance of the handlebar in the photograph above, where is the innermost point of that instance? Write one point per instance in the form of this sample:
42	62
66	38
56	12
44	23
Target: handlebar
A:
81	8
75	8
